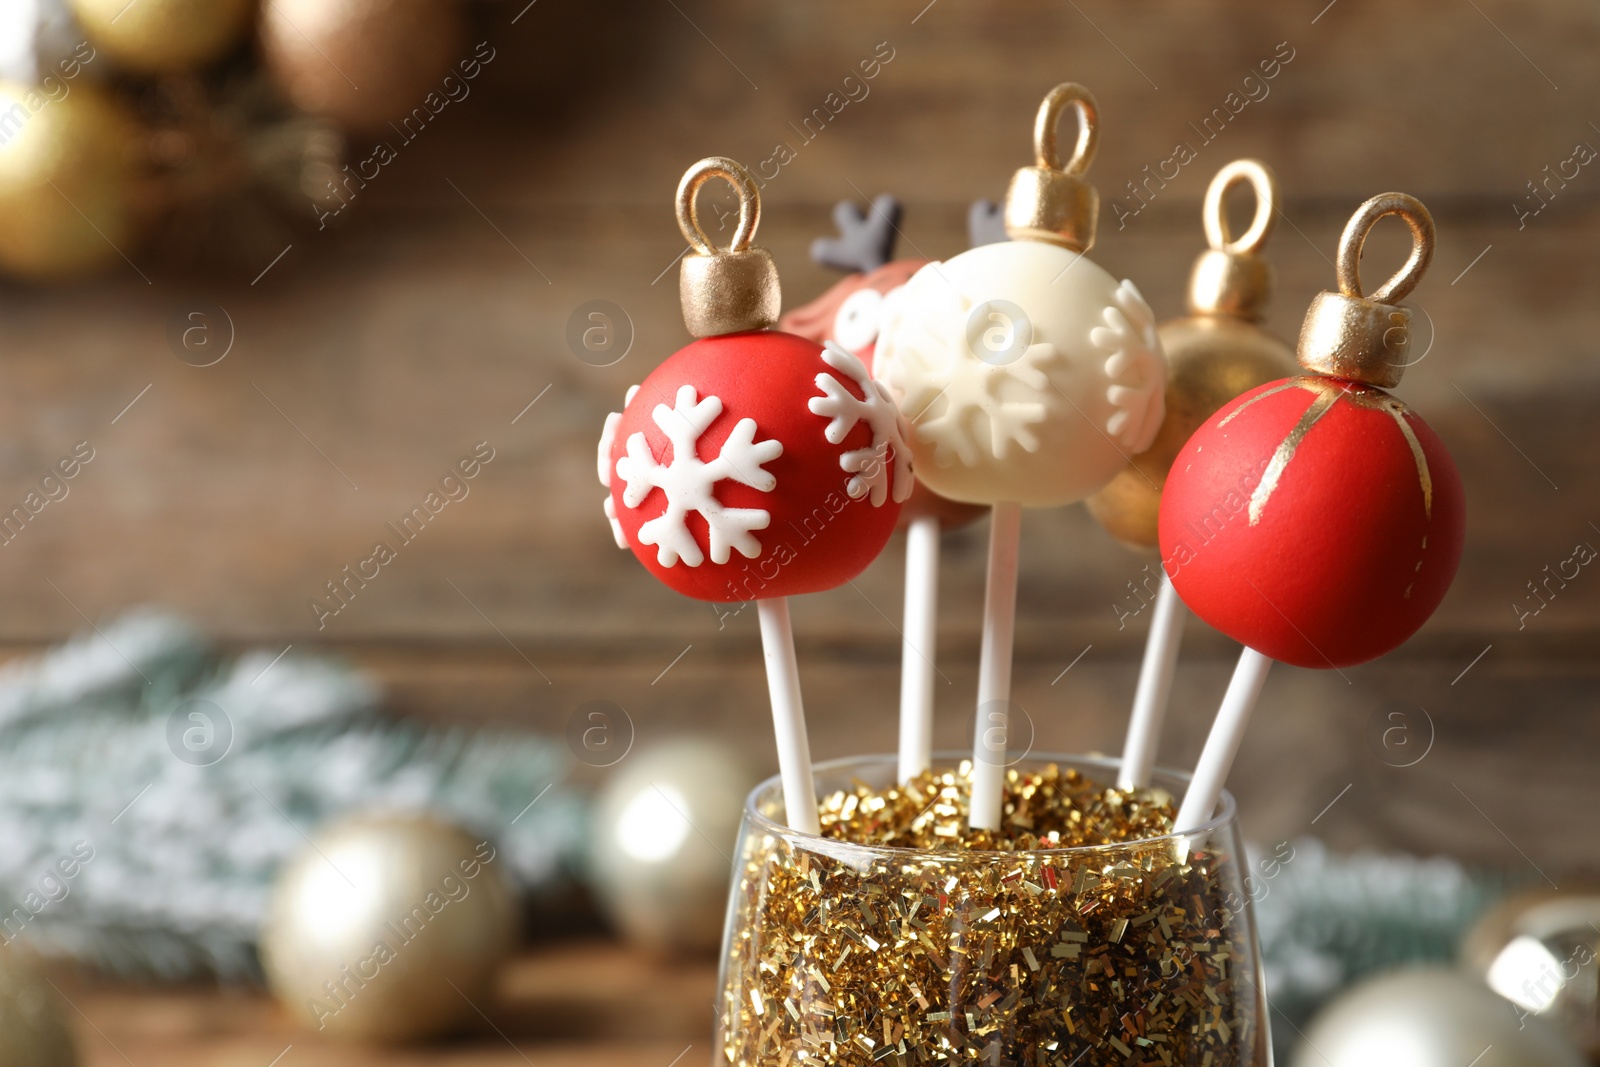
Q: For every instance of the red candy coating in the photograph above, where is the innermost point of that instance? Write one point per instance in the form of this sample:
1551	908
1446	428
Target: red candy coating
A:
1325	551
817	536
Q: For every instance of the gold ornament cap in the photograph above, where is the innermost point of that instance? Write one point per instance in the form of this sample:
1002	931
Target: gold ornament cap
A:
1051	201
1230	278
1365	338
725	290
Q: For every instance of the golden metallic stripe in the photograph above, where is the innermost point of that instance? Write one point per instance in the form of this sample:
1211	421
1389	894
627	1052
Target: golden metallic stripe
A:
1398	410
1327	394
1364	398
1292	383
1286	449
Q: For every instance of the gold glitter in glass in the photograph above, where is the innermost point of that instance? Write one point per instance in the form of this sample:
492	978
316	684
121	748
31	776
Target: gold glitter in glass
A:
1073	936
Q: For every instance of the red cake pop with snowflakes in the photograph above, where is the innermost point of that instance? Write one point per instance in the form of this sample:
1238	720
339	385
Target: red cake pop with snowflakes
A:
753	464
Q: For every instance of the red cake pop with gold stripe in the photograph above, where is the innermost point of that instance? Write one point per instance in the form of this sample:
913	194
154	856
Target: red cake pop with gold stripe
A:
1319	520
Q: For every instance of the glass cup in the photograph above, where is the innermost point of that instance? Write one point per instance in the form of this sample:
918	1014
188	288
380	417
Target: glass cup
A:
842	954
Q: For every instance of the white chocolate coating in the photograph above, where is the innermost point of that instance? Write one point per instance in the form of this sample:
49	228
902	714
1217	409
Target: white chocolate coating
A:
1058	403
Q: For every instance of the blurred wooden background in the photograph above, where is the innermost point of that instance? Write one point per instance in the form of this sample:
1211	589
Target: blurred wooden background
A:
372	356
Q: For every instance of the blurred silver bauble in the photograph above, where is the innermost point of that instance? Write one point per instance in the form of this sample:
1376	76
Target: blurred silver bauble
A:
1429	1017
389	927
663	840
33	1023
1538	950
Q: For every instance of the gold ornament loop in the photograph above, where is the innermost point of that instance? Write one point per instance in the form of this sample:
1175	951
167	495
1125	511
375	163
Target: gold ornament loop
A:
1230	278
1399	286
1045	149
1051	201
1365	338
1265	185
749	203
725	290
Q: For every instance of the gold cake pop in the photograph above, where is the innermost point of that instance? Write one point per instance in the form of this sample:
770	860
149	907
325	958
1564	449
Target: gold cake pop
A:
67	169
164	36
1216	352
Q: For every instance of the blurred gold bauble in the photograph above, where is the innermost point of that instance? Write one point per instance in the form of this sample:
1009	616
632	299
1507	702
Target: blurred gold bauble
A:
389	928
33	1023
66	174
1213	354
163	36
362	63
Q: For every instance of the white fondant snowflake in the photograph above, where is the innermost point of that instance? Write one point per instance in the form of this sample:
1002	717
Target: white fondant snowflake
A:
973	404
1135	367
689	482
608	440
869	467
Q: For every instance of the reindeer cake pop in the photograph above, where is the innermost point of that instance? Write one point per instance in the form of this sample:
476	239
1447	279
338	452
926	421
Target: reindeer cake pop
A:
850	314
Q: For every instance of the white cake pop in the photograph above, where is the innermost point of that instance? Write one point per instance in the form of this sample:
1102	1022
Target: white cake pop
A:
1030	377
1029	374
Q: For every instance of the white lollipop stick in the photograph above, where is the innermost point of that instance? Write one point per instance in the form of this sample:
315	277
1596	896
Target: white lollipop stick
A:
788	715
1155	686
994	668
1222	744
918	639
